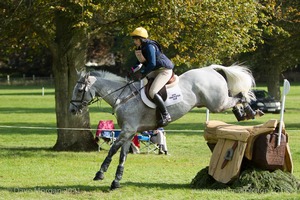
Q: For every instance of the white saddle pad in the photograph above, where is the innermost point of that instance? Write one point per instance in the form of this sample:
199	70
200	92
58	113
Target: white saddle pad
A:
174	94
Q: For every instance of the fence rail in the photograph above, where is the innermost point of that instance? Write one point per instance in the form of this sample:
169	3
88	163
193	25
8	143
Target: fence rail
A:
10	80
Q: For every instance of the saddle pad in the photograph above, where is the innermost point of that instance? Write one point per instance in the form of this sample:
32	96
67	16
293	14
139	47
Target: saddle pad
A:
174	96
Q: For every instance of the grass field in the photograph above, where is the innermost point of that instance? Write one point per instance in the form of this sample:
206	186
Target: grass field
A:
29	169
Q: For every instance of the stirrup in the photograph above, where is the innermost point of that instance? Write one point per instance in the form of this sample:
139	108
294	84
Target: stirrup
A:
165	120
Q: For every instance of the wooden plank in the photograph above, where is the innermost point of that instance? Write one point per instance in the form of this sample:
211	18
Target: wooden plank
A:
215	158
272	123
232	168
288	161
233	134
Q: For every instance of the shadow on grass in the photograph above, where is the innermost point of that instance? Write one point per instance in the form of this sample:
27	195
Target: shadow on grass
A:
157	185
23	151
27	128
74	189
77	189
20	110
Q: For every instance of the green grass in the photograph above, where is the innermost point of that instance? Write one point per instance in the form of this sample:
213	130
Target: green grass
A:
30	170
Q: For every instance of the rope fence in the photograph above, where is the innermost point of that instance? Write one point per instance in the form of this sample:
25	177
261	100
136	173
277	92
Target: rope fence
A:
83	129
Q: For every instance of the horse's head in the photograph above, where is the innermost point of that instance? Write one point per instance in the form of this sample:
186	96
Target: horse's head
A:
83	94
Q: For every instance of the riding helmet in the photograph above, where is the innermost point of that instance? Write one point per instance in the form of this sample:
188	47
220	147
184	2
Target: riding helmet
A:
139	32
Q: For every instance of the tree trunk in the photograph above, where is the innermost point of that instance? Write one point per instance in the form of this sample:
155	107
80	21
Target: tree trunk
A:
273	82
271	71
68	52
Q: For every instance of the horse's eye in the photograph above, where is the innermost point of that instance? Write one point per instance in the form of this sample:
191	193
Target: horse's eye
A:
81	88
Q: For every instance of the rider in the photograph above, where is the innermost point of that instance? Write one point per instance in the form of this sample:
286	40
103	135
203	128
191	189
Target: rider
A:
153	64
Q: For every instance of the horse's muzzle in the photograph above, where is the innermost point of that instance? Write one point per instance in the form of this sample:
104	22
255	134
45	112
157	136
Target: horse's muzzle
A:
75	109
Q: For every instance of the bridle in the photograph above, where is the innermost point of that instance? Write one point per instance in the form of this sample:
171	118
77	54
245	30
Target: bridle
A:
84	103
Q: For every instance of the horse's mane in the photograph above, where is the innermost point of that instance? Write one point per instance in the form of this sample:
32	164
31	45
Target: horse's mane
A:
105	75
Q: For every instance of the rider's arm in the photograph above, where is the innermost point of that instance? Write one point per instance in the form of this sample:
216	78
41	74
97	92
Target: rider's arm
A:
151	59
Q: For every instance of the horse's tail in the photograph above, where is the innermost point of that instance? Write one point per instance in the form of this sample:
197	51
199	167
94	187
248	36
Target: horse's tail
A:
239	79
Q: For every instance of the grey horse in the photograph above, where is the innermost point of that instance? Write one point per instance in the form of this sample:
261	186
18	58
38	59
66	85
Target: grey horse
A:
201	87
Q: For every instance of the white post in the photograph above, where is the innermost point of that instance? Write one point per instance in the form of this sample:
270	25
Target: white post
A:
43	91
207	115
286	89
8	80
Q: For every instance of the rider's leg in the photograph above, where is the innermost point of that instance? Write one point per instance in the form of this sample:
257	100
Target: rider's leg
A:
160	80
166	118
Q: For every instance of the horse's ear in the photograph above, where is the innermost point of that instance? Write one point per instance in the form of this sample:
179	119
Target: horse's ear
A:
79	73
87	75
92	80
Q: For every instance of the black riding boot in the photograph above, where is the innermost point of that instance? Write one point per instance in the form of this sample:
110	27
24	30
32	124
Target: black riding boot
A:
166	118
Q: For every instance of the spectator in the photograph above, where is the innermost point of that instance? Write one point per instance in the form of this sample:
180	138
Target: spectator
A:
159	137
135	145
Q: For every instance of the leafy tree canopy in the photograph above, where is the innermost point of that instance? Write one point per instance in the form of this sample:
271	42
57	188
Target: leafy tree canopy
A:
194	32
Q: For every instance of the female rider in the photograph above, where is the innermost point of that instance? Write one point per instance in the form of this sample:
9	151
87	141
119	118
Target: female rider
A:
153	64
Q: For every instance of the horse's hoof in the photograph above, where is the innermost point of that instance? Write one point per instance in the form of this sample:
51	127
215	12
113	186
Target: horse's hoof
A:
259	113
115	185
99	176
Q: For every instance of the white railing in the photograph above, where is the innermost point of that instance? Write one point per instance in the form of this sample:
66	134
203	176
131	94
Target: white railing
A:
33	80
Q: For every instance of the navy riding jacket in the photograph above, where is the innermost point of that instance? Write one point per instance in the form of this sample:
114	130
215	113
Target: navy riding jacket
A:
155	59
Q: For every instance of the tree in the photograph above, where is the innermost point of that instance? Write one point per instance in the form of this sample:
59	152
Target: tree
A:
55	25
279	46
195	33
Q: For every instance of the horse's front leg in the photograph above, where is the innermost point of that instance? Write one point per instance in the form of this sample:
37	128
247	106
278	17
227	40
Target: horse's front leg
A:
105	164
119	173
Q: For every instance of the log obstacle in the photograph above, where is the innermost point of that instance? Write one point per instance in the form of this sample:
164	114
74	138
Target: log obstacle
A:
232	144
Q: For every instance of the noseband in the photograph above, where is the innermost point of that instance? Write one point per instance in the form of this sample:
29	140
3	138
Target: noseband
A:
82	102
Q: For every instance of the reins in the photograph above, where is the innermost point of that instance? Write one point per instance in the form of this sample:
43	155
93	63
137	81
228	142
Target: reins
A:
96	99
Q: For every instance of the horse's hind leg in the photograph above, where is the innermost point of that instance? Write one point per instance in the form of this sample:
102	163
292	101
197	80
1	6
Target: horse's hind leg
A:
119	173
244	111
230	102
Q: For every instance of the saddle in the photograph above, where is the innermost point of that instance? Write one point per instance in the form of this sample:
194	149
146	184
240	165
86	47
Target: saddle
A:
170	93
163	91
